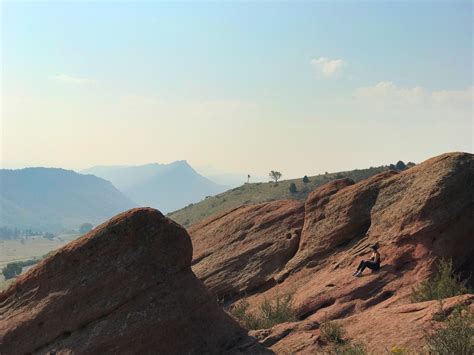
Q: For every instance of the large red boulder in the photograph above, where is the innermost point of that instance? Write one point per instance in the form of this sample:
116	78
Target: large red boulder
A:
126	287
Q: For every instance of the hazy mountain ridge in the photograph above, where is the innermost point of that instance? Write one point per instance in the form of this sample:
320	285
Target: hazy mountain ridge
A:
54	199
166	187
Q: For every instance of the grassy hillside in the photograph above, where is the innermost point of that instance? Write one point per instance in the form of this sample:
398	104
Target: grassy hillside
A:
261	192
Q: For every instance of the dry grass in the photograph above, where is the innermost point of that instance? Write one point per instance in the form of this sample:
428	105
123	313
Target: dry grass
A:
269	313
261	192
335	335
332	332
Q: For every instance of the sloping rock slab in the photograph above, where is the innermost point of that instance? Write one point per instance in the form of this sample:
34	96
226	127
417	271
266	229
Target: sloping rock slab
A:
242	250
124	288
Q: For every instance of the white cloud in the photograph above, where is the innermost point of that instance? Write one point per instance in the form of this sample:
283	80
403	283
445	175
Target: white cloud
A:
388	93
454	96
71	79
327	66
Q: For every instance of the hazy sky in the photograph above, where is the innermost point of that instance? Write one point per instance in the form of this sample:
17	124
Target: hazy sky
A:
249	87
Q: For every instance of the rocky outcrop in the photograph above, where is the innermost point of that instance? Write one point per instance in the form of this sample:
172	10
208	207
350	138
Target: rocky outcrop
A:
126	287
429	203
381	327
415	216
242	250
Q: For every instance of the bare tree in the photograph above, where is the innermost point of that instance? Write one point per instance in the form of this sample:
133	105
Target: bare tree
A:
275	175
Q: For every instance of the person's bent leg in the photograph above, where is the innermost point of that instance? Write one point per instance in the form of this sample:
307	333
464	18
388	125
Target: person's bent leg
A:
357	272
372	265
363	265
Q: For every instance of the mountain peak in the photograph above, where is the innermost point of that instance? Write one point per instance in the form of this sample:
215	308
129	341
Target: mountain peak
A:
167	187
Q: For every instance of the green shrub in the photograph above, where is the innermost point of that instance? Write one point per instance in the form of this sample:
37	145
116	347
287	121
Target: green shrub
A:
278	311
335	334
457	337
11	270
400	165
269	313
292	188
239	311
441	315
332	332
445	283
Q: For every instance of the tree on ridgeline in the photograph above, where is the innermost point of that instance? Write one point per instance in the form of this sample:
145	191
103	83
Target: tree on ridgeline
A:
275	175
305	179
400	165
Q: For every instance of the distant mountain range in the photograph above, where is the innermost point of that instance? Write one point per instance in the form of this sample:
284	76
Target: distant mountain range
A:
166	187
50	199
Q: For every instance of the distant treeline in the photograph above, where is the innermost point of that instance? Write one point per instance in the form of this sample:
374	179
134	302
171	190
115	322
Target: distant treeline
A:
21	234
7	233
15	233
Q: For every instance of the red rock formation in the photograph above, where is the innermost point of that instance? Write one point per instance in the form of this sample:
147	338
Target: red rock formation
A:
126	287
381	327
416	216
243	249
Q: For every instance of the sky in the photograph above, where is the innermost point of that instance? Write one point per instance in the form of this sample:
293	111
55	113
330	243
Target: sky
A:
248	87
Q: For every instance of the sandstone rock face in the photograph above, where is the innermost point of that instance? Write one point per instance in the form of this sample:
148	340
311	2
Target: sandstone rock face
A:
381	327
334	217
243	249
126	287
416	216
430	202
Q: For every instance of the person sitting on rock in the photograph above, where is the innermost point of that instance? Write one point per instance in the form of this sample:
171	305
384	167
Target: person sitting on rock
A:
373	264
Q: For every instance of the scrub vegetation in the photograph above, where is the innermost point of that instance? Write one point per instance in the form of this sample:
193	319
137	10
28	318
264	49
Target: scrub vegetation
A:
295	189
445	283
269	313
